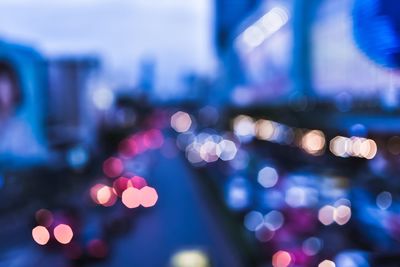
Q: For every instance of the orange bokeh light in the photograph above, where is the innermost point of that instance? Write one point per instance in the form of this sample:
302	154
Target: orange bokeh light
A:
40	235
105	196
149	196
281	259
131	197
93	192
63	233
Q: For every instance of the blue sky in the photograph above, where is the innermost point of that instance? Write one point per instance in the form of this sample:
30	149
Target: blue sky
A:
177	33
